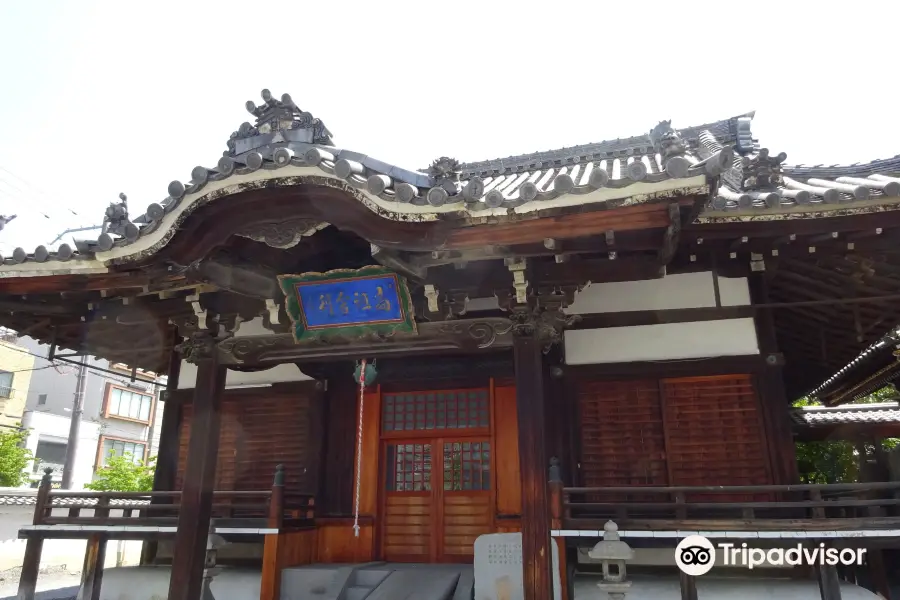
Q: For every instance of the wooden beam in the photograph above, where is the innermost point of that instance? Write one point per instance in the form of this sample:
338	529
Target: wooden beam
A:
671	237
199	478
536	551
597	270
632	218
725	365
840	278
800	227
634	318
807	524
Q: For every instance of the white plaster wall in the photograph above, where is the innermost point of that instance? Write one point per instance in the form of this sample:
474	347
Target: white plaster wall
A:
670	341
278	374
56	428
686	290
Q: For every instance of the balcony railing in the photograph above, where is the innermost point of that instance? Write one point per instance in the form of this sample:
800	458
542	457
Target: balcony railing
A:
851	506
124	511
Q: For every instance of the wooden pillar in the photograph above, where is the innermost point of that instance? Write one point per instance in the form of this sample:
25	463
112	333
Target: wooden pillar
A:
878	573
337	473
273	547
829	584
199	478
536	552
167	454
31	562
92	573
688	585
773	399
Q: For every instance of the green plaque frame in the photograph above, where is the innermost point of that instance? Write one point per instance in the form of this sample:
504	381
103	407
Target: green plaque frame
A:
354	320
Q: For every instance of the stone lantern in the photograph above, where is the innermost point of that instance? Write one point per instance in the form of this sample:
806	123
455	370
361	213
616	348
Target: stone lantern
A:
213	542
612	554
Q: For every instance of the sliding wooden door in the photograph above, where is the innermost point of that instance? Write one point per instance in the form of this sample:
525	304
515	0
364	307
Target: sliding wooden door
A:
438	491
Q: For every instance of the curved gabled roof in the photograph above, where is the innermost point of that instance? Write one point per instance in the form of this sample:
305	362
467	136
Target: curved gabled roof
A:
287	146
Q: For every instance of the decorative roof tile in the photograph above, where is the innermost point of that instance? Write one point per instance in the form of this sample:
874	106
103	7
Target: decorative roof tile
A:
665	159
882	412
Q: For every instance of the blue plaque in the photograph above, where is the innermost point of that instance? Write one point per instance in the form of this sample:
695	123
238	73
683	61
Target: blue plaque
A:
347	302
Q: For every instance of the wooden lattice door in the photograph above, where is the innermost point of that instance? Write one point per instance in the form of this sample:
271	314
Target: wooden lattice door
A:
437	475
408	515
465	498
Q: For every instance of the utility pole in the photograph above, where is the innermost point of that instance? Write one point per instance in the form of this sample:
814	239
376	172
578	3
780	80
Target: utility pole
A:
75	426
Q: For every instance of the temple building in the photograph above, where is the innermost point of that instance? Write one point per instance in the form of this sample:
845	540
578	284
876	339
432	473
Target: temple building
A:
374	365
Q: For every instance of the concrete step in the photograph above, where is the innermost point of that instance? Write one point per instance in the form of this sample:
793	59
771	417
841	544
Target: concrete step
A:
370	577
357	592
465	587
417	584
306	583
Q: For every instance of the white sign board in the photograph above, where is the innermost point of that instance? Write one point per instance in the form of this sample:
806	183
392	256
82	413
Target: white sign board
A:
498	567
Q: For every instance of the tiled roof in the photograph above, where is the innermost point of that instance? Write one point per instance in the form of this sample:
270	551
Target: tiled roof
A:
882	412
290	144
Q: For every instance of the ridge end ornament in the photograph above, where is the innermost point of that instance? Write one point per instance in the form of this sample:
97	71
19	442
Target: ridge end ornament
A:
116	222
274	116
368	303
667	141
762	171
446	173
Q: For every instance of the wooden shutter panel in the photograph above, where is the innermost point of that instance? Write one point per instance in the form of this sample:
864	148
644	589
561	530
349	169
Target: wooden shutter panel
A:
714	433
622	438
278	430
262	428
225	473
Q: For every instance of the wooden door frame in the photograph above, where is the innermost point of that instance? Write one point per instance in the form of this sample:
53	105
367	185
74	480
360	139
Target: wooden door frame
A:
383	493
453	439
435	437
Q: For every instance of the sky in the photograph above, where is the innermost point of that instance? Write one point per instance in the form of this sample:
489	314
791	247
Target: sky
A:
101	97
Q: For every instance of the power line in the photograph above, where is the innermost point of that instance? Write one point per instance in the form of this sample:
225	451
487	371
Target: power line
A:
32	369
43	196
53	364
77	229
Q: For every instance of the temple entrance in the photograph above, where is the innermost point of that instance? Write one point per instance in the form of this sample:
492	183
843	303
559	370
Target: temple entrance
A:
437	475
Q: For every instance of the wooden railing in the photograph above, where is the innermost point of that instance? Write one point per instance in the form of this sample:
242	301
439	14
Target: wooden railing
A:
847	506
263	508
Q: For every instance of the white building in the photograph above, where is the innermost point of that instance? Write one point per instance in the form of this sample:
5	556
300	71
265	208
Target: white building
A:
119	415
